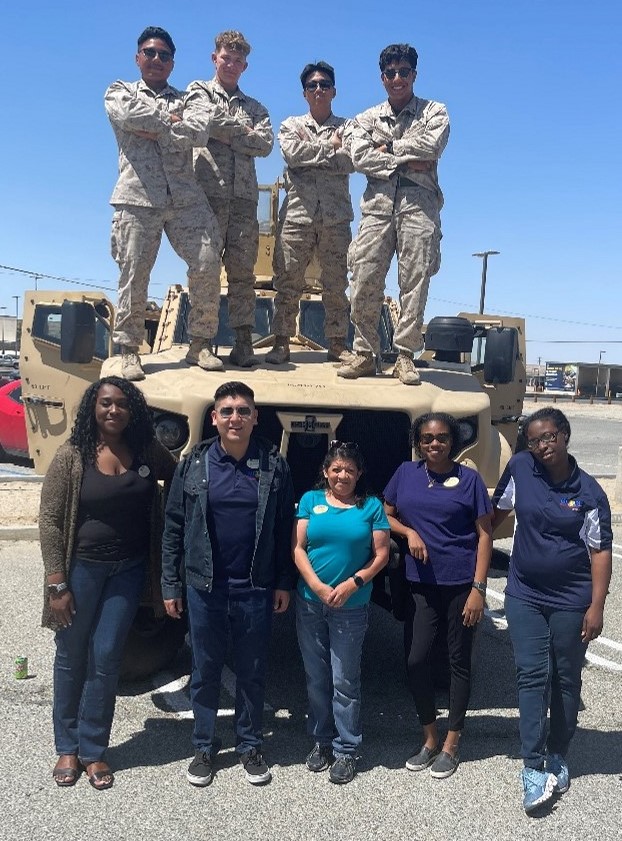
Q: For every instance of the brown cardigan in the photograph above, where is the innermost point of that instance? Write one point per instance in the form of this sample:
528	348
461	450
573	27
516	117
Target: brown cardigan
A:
58	517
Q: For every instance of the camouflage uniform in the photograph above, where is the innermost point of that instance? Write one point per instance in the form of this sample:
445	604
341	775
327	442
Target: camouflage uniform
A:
400	214
316	213
226	170
156	190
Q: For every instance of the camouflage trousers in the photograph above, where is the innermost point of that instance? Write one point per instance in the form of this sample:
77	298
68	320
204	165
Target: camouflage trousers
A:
293	253
136	235
237	220
413	232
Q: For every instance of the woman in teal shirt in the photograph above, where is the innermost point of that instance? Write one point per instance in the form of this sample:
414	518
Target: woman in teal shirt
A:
341	543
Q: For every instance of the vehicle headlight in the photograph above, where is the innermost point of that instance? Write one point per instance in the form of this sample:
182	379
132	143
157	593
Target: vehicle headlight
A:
468	431
171	431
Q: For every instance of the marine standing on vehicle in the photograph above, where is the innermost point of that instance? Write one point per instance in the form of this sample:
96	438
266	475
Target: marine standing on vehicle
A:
225	168
316	213
156	129
397	145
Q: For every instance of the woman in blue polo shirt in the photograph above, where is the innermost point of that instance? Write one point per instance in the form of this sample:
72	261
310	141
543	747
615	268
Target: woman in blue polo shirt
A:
559	574
341	543
443	511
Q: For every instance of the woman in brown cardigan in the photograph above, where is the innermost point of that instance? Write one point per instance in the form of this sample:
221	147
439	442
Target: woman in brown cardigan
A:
99	529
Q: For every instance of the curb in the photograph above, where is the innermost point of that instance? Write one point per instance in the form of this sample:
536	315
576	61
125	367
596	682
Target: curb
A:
19	533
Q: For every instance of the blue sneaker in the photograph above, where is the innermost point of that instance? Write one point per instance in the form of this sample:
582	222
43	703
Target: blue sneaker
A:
556	764
538	787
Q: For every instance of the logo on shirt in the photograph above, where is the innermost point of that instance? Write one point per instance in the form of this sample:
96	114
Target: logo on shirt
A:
320	509
451	482
572	504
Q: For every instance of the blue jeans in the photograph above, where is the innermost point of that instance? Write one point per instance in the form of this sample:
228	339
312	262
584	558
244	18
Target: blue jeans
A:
90	651
247	616
549	654
331	644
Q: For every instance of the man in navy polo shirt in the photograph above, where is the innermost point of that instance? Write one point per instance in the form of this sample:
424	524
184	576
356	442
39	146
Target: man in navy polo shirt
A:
229	519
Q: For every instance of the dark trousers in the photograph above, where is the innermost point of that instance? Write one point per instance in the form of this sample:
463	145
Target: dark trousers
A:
549	654
435	606
246	617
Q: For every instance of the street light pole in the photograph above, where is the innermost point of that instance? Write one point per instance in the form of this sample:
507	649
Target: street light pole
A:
2	311
600	356
482	294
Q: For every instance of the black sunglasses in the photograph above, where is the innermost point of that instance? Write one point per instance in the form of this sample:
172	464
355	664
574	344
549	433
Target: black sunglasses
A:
322	84
402	72
163	55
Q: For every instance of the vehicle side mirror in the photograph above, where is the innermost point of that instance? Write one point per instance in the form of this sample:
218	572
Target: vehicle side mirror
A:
500	355
77	332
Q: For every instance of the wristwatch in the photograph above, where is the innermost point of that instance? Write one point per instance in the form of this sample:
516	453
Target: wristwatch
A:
479	586
57	589
358	581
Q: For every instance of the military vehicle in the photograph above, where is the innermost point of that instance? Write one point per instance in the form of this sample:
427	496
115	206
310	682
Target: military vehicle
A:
473	366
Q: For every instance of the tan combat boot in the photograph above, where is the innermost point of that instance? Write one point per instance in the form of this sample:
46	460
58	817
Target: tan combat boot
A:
280	351
337	351
131	369
358	365
242	353
200	353
405	370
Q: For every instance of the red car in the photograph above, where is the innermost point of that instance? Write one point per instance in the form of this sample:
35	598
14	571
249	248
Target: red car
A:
13	439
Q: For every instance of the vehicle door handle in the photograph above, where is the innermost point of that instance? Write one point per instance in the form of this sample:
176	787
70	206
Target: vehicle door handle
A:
42	401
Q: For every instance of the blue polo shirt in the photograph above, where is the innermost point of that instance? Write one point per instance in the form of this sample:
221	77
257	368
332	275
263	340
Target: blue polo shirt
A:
556	526
444	515
233	492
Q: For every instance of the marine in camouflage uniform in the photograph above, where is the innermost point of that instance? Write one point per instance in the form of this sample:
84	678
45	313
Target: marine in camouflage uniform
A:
157	127
316	214
225	168
397	145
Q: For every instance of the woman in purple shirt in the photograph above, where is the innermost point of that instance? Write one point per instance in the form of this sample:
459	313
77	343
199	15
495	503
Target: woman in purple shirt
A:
442	509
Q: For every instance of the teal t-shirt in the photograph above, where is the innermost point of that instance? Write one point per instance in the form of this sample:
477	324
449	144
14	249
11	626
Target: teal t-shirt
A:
339	541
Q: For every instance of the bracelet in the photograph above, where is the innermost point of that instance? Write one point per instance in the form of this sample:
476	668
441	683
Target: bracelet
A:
479	586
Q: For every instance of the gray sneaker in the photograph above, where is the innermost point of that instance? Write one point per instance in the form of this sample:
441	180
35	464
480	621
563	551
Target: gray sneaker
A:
131	369
405	370
257	772
200	353
358	365
444	765
422	760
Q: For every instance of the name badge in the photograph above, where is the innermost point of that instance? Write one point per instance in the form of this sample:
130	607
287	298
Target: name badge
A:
320	509
252	463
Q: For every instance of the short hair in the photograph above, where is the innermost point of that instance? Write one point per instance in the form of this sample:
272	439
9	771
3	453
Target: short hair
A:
441	417
234	389
138	434
347	451
317	67
395	53
156	32
232	40
556	416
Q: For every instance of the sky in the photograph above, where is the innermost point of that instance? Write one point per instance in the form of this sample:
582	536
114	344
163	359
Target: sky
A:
532	168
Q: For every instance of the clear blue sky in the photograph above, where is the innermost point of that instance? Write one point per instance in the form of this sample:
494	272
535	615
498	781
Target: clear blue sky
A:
532	168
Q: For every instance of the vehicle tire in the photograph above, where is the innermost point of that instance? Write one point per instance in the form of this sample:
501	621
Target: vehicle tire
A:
151	645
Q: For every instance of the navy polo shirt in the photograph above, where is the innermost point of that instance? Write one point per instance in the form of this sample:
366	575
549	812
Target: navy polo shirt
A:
233	491
556	526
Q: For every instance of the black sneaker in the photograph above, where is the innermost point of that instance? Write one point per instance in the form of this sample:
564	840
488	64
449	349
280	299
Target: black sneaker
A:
423	759
342	770
257	772
320	758
444	765
200	771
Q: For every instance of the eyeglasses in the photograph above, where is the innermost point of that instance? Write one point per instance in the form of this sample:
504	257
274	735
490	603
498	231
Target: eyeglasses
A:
429	438
322	84
402	72
243	412
163	55
545	438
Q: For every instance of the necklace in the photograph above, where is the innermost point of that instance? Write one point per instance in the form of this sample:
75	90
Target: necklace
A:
449	482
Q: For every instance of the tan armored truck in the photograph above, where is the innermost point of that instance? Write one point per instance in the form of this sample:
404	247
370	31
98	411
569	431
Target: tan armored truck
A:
303	405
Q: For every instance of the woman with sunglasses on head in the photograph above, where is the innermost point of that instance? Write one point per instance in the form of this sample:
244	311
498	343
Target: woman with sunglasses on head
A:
100	526
441	509
558	578
341	541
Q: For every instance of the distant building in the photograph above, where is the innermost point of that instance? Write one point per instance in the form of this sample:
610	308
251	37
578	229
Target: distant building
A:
584	379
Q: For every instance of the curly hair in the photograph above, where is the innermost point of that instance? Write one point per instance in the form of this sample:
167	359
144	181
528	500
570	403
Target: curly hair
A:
441	417
138	434
346	451
232	39
557	418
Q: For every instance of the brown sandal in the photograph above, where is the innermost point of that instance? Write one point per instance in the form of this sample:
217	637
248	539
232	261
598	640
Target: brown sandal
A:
98	778
72	775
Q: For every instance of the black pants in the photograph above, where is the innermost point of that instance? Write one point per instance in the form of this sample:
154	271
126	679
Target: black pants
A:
434	609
